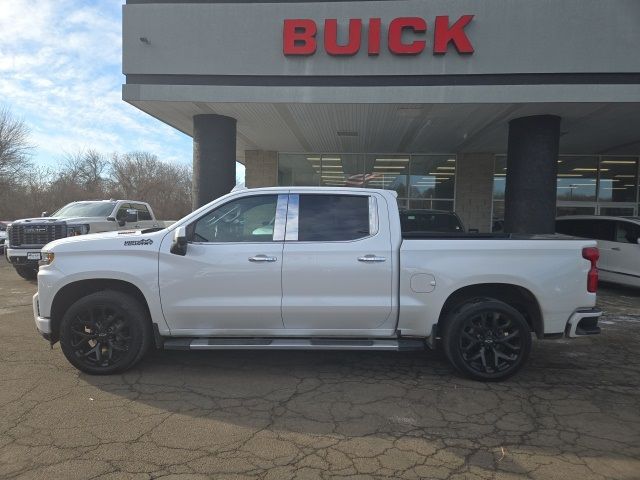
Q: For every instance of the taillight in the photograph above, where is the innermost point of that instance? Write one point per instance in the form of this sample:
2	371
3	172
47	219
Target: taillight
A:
592	254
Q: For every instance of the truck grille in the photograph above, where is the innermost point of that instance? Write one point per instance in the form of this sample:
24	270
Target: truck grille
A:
35	235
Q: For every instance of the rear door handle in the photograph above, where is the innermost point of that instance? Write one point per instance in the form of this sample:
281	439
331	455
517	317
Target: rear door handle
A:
371	259
262	258
617	249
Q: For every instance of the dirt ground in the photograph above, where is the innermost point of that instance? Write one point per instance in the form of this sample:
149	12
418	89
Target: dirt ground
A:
573	413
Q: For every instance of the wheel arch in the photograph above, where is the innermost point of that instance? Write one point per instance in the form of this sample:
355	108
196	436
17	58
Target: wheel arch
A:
516	296
74	291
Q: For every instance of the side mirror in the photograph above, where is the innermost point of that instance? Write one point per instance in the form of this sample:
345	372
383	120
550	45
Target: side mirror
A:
111	219
179	244
131	216
44	214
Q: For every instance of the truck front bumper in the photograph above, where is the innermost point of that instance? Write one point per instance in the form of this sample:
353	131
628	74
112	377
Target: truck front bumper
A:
42	324
19	256
583	321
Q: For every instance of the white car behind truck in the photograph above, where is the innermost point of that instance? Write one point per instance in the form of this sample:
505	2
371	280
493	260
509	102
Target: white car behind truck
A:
618	241
313	268
26	237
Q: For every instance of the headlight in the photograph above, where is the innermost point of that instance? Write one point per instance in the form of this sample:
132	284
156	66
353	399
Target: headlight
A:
46	259
73	230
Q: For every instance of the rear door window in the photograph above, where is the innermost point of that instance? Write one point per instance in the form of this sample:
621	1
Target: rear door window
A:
330	218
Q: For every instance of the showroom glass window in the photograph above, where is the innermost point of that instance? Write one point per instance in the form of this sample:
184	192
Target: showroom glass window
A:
420	181
586	185
618	179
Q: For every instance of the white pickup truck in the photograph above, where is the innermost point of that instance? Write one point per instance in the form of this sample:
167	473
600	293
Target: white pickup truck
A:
312	268
27	236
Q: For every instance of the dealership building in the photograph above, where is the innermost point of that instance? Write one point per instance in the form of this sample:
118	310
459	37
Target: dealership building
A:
514	110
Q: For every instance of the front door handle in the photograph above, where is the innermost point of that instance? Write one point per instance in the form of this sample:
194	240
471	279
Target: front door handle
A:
262	258
371	259
617	249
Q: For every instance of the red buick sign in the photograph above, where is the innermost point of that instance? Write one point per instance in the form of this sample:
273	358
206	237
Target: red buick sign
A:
405	36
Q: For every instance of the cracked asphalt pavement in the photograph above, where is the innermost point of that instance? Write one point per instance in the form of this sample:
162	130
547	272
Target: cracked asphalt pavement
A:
572	413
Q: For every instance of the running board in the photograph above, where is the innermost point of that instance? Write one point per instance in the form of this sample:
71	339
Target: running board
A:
292	344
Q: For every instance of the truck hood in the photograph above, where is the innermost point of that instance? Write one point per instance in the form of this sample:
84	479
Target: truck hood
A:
69	220
126	239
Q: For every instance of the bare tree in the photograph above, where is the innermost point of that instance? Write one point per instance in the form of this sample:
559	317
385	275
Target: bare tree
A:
88	170
142	176
15	148
15	152
89	174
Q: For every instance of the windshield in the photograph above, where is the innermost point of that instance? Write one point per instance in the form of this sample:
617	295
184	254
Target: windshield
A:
85	209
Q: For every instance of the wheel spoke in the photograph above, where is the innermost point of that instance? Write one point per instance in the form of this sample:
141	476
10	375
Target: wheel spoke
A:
483	358
494	319
508	337
81	341
498	354
92	350
86	335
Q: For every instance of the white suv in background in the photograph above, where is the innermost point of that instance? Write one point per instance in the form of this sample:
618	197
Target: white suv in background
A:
617	238
3	235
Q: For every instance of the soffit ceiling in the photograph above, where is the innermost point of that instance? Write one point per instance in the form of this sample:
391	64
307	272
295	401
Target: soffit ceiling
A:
612	128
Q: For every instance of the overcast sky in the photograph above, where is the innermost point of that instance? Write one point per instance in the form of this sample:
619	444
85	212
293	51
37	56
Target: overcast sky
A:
61	72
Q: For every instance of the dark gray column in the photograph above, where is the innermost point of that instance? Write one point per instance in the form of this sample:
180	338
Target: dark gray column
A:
214	157
532	167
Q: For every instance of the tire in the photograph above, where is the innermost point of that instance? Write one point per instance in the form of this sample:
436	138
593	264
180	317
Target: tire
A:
105	332
27	272
487	340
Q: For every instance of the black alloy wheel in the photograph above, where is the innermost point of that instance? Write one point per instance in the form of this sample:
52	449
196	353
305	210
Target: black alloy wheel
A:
487	340
105	332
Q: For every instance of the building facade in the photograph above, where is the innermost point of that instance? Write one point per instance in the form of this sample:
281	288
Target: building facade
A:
502	110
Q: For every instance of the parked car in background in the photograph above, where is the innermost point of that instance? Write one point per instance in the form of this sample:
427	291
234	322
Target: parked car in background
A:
430	221
26	237
617	239
3	235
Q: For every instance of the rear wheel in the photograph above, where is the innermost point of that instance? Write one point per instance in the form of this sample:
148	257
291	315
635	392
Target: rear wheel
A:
487	340
105	332
27	272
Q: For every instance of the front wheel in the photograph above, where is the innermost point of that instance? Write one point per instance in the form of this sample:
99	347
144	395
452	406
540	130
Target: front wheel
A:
105	332
487	340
